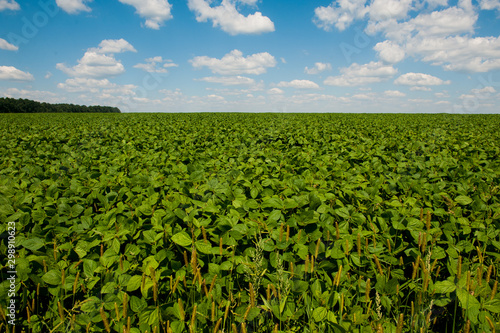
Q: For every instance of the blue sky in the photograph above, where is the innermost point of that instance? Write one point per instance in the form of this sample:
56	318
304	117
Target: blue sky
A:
254	55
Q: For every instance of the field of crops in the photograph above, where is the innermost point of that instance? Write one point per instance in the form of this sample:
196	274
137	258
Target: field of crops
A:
251	222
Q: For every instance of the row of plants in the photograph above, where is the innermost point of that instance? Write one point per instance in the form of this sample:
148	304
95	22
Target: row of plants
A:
252	222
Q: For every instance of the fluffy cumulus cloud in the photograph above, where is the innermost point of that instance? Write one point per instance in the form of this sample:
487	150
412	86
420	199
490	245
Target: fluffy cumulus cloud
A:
229	19
96	86
318	68
381	10
394	93
4	45
156	12
419	79
390	52
229	80
10	73
99	62
156	65
36	95
275	91
299	84
9	5
340	14
114	46
356	74
480	54
234	63
489	4
440	34
94	64
73	6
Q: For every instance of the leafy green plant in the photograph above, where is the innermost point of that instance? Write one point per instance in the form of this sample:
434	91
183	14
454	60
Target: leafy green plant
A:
252	222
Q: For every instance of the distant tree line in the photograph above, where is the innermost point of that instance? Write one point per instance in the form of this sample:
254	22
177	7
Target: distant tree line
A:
12	105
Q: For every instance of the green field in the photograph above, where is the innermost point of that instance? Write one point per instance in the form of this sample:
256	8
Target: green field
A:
251	222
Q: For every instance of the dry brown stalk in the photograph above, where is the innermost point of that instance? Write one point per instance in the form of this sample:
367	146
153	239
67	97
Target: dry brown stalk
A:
204	232
117	313
182	314
488	274
358	243
367	291
124	304
252	295
75	284
193	317
428	220
216	328
494	291
379	267
104	319
459	267
61	312
186	262
316	251
490	323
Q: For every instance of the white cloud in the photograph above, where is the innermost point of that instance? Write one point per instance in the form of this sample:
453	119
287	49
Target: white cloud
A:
227	17
73	6
36	95
95	63
340	13
234	63
10	73
420	100
299	84
453	20
364	97
390	52
9	4
318	68
229	80
394	93
80	84
441	95
48	75
4	45
480	54
156	65
381	10
114	46
154	11
484	91
356	74
275	91
489	4
418	88
419	79
435	3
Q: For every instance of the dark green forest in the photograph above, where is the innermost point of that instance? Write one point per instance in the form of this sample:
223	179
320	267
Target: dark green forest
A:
12	105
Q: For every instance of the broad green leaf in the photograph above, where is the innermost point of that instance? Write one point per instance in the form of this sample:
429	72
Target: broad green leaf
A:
463	200
444	287
182	239
319	314
52	277
493	305
33	244
134	283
